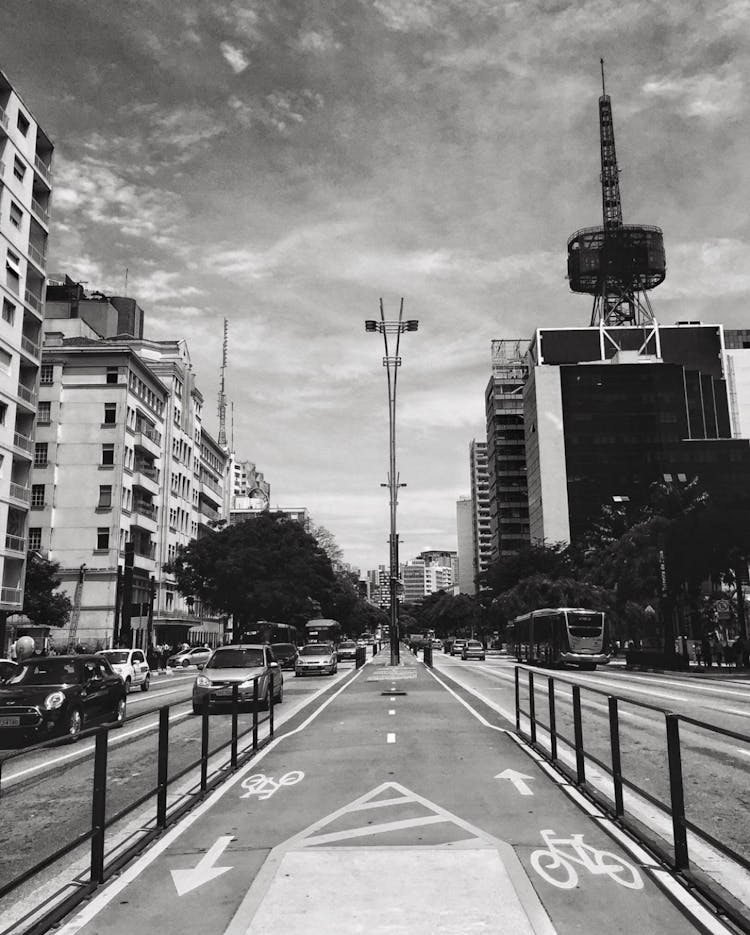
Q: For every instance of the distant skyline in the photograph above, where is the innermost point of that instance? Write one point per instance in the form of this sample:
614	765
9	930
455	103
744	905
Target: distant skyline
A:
286	164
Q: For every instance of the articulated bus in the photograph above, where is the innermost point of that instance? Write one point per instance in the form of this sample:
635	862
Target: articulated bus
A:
322	631
560	636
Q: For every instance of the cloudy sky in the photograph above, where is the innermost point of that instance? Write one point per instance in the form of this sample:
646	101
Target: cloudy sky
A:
287	164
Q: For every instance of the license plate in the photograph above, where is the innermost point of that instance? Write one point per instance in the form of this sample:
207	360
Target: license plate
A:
10	721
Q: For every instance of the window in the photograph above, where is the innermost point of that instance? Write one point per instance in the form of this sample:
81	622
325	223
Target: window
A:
5	359
46	374
43	413
9	311
19	169
37	495
23	123
35	538
102	538
3	412
105	496
40	454
113	375
110	413
108	455
16	215
12	278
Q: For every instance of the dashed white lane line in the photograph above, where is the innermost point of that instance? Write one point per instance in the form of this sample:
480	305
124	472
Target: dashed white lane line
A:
390	738
391	712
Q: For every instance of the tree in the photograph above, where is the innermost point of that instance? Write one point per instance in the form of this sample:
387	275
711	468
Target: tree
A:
267	568
553	560
327	541
42	603
539	591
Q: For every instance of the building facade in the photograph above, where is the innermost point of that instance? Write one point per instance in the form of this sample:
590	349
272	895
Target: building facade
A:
506	454
465	539
481	532
25	194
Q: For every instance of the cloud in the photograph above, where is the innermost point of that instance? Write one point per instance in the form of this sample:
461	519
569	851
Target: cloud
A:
236	58
281	110
709	95
317	41
698	268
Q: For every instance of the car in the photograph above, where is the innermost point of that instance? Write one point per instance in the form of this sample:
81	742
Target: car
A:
195	656
437	644
316	658
347	650
239	665
60	695
285	654
472	649
457	647
131	665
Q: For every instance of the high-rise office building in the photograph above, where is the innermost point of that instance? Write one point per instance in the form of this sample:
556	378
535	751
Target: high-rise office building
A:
465	539
480	501
25	193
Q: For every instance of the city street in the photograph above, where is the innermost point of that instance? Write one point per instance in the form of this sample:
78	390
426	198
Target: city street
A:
398	802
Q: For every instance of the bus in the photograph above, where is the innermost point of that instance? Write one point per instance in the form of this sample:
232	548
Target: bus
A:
265	631
557	636
322	631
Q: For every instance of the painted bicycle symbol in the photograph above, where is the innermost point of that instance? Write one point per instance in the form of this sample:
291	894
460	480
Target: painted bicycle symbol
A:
555	864
265	786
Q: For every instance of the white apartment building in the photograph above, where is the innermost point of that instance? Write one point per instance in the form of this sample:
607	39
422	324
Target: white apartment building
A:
249	492
422	577
465	539
480	499
121	457
25	192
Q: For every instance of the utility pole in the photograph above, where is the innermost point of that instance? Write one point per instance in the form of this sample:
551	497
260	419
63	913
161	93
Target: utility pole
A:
127	596
392	362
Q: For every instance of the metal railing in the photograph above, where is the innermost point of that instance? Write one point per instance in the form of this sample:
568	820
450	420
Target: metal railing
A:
101	865
31	347
43	169
143	429
15	543
33	300
38	256
677	852
10	596
39	211
144	509
20	492
3	118
23	441
27	394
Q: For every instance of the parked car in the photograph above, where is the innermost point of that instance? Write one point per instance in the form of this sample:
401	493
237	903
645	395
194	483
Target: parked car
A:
316	658
347	650
60	695
285	654
195	656
239	665
472	649
457	647
131	665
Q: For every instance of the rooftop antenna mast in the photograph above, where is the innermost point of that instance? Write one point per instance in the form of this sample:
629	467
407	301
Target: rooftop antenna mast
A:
222	439
617	263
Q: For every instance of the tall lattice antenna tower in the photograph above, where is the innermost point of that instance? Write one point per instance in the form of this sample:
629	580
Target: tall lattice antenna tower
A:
616	263
222	439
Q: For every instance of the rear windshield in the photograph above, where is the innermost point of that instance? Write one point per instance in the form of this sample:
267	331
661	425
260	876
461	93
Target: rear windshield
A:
315	650
117	657
235	659
347	645
472	644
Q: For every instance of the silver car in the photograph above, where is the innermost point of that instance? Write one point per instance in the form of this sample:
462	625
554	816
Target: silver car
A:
316	659
239	665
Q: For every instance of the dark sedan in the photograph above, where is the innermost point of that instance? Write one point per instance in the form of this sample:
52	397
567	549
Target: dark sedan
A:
286	654
59	696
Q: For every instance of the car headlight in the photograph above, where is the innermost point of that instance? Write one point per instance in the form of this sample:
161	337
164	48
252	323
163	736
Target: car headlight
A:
54	700
203	682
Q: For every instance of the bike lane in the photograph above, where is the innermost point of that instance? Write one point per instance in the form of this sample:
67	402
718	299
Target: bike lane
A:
387	813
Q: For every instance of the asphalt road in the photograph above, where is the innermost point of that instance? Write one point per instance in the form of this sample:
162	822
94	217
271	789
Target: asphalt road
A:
401	804
715	768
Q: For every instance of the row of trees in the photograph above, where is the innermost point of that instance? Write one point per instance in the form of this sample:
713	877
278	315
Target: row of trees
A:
656	567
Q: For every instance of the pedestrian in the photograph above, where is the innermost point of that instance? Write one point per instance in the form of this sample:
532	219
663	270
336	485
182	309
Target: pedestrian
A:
698	654
738	647
706	651
718	654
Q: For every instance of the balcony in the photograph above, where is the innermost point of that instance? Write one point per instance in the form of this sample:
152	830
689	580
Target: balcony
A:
144	557
39	212
147	478
43	169
34	301
2	171
144	516
15	544
11	596
31	347
20	492
27	395
38	256
147	439
23	442
3	120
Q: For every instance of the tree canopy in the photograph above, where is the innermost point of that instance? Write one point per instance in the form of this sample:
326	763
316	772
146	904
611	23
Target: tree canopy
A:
41	604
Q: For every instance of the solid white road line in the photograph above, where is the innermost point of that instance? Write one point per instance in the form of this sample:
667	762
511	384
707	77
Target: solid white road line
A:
390	738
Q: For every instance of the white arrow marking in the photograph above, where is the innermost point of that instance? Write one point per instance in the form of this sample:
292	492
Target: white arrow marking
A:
186	880
517	779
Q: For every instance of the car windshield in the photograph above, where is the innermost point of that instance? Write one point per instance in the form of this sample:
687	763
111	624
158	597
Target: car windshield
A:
315	651
45	672
235	659
117	657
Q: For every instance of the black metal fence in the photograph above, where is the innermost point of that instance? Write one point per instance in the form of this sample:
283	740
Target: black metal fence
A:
99	869
675	853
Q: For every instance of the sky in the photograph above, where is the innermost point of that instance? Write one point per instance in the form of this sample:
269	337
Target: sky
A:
288	164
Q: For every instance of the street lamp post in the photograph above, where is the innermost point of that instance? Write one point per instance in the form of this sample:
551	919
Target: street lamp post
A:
392	362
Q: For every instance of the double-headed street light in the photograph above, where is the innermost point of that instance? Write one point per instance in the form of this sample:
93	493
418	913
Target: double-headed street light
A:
392	362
